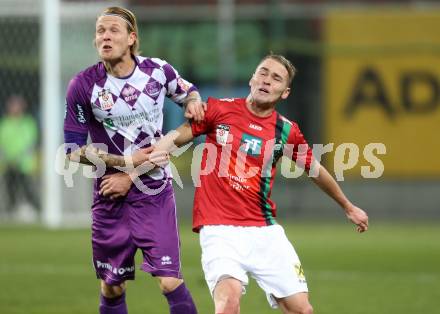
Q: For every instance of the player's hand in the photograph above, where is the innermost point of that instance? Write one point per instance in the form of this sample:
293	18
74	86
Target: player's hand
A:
115	185
150	158
159	158
195	109
142	156
358	217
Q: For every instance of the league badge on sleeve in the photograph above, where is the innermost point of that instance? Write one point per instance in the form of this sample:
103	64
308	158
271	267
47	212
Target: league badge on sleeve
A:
105	99
222	134
184	85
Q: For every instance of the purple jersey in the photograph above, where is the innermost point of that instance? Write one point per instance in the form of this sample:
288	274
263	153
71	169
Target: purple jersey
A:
126	113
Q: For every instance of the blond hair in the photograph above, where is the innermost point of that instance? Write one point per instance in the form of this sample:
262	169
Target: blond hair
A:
131	22
291	70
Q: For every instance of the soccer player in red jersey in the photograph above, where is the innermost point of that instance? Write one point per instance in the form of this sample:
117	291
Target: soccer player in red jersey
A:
232	207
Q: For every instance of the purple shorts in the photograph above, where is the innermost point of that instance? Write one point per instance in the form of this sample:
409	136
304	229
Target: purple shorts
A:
119	228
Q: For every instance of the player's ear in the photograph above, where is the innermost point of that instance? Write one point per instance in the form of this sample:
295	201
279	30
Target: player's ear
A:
285	93
250	81
132	38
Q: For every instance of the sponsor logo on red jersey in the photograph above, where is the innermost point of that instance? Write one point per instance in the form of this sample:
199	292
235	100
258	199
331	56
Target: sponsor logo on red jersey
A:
251	144
255	127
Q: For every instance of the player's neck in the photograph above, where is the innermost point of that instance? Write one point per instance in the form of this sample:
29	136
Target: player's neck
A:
260	110
120	68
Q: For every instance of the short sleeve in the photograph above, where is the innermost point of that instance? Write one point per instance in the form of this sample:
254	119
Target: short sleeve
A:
205	126
177	87
302	153
78	111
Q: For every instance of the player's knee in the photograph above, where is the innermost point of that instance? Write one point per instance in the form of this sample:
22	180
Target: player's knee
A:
305	309
112	291
227	304
227	301
168	284
296	304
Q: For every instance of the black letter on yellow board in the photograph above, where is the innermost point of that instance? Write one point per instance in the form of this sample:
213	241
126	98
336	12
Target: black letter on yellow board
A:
408	83
369	90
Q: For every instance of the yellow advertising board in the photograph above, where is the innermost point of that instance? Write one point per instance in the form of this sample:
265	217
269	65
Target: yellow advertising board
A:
382	85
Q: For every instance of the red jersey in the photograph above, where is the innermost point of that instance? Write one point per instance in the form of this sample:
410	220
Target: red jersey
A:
239	163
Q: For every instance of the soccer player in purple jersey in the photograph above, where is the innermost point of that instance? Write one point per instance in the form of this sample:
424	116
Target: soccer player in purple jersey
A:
119	102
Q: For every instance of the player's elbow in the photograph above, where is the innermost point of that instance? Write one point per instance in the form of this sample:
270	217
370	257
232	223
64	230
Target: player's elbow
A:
69	155
74	155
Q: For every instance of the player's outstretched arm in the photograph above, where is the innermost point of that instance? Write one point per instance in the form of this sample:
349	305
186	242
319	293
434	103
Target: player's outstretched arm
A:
91	155
329	185
176	138
118	184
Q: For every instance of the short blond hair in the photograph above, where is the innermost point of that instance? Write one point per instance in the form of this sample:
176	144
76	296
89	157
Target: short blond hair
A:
131	22
291	70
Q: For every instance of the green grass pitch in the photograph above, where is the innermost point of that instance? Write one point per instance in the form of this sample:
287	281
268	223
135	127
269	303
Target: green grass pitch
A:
394	268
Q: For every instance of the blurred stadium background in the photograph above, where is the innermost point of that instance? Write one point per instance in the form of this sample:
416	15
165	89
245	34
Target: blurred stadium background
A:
368	72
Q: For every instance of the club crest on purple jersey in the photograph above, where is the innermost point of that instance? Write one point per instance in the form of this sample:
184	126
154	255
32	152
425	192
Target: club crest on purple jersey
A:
129	94
152	89
105	99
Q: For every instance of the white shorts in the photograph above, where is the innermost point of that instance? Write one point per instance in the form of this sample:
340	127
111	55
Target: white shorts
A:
263	252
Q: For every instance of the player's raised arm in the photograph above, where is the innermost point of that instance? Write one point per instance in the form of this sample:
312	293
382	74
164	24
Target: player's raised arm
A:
184	93
329	185
194	107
